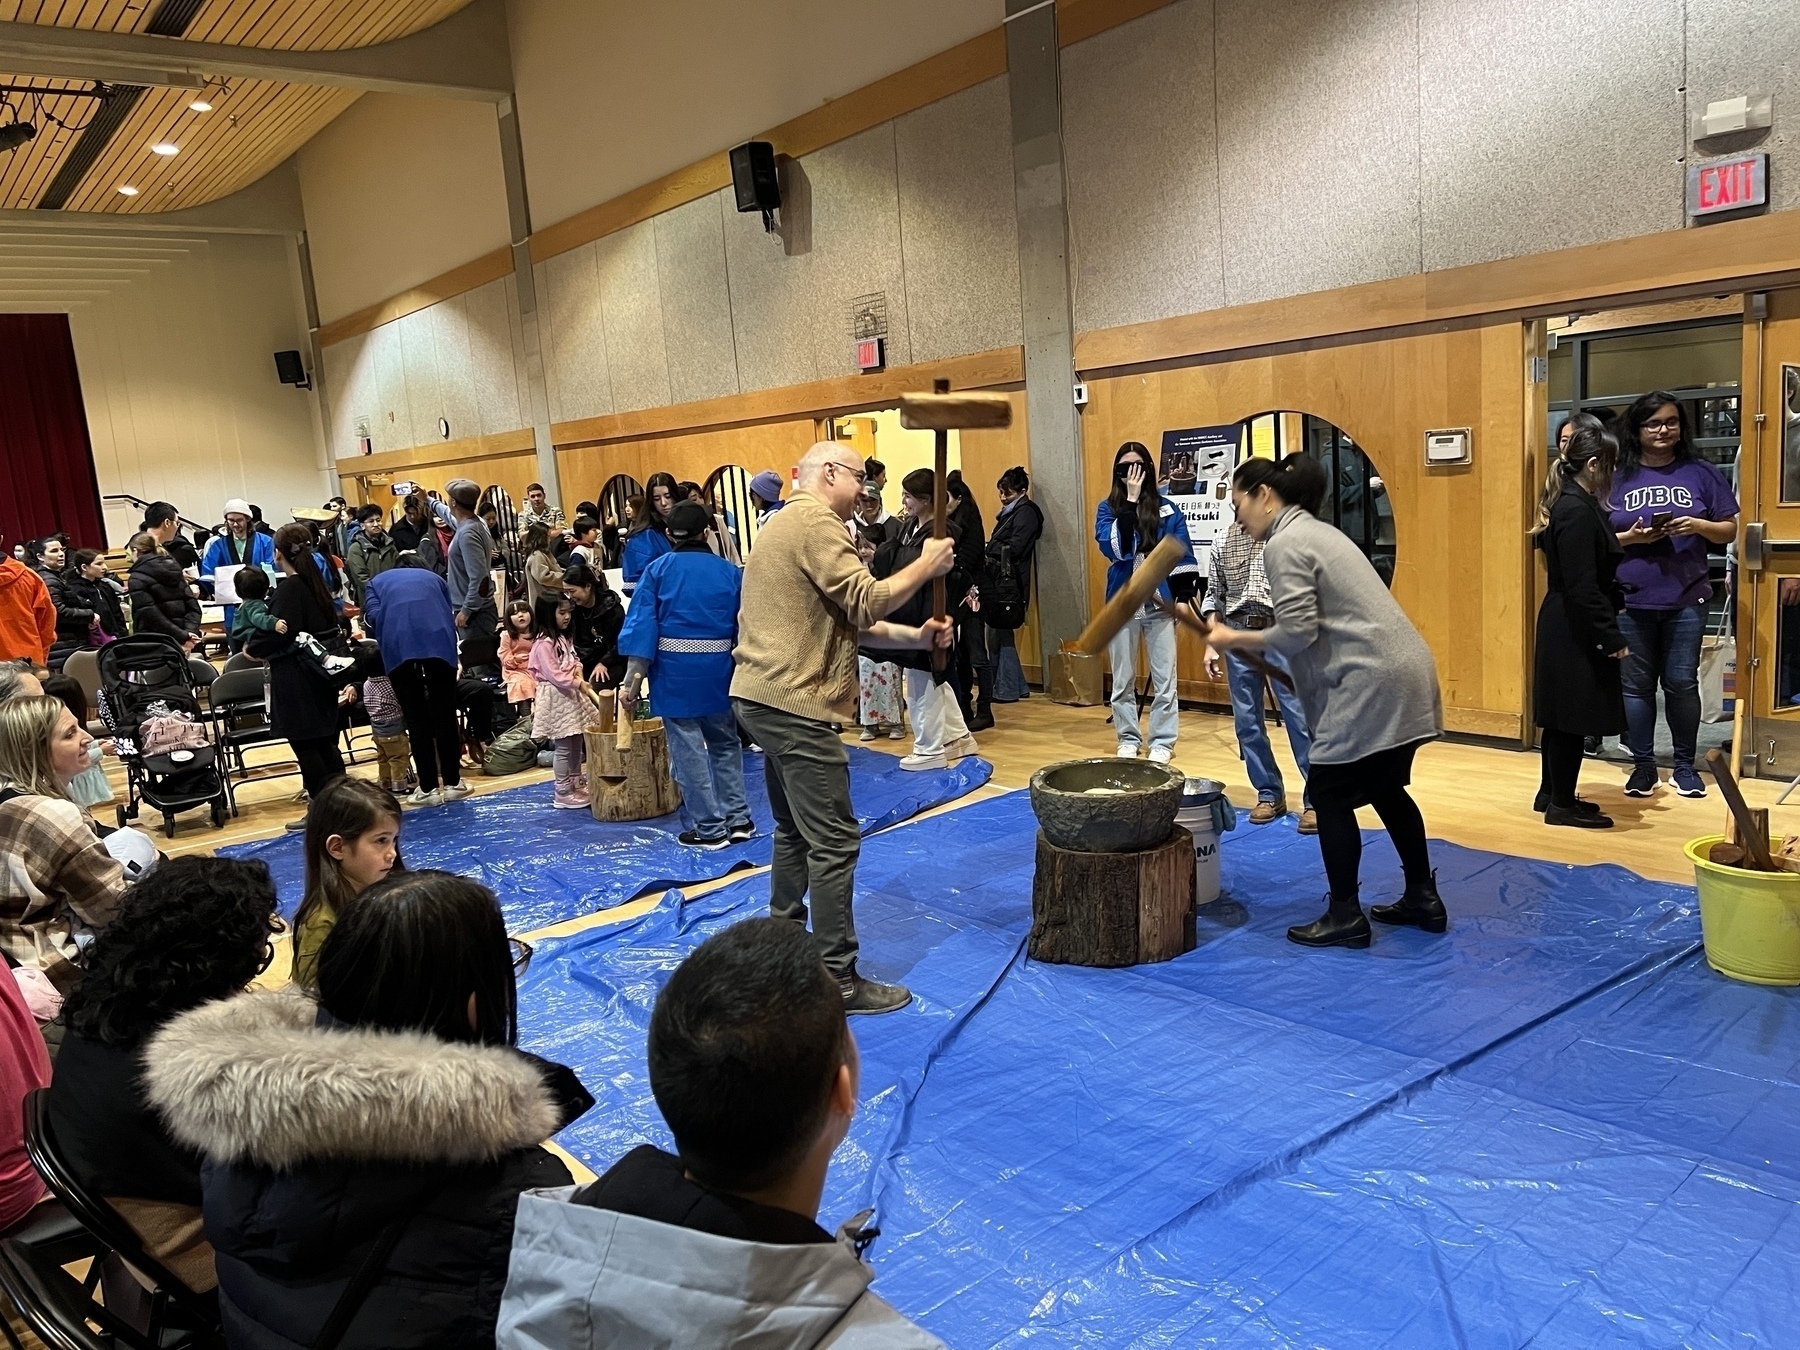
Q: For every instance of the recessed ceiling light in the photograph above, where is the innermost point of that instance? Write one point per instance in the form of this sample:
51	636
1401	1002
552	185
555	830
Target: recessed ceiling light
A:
200	105
164	148
127	191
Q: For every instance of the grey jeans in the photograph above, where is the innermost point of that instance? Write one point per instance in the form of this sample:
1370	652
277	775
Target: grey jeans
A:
817	839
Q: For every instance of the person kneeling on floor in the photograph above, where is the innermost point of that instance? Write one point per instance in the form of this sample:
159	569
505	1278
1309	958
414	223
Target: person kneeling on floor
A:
680	631
755	1071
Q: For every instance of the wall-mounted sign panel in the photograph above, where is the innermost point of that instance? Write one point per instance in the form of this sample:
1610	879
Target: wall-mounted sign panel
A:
1715	186
1454	445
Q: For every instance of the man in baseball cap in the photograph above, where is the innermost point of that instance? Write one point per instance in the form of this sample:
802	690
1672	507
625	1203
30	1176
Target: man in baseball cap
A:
766	488
236	545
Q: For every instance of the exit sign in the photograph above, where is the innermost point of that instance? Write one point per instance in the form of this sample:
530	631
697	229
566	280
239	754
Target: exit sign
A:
1718	185
871	353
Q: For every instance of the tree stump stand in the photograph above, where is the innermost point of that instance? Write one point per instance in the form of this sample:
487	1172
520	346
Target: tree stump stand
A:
636	785
1113	909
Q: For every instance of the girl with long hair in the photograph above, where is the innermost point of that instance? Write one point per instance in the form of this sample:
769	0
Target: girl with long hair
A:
560	710
303	694
645	540
1129	524
1015	535
352	842
1367	682
1670	509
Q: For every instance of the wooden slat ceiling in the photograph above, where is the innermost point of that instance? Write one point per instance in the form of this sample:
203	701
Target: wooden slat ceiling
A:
254	125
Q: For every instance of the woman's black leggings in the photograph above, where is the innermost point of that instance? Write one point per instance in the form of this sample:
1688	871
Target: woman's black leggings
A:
319	762
1340	840
1561	752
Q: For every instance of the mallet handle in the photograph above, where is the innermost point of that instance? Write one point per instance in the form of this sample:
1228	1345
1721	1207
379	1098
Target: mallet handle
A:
939	524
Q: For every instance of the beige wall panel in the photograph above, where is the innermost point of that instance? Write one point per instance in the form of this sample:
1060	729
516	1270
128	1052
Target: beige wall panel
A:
398	190
856	246
614	93
957	223
1742	47
772	307
1460	564
696	300
1574	137
631	306
451	337
1318	143
393	414
419	359
495	363
1141	145
574	334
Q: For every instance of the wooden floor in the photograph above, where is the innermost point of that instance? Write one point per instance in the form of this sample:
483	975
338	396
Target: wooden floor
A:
1474	794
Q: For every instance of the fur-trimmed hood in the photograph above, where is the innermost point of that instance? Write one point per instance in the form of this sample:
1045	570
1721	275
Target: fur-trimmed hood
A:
255	1079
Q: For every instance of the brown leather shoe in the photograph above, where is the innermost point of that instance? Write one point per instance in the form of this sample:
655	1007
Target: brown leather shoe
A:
1309	822
1266	813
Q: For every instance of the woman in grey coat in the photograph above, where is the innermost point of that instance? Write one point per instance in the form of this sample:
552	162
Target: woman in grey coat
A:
1366	679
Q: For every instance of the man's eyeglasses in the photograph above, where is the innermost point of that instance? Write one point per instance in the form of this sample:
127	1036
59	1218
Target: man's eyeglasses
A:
861	476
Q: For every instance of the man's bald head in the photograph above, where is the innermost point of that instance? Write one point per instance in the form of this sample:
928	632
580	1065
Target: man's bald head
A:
829	471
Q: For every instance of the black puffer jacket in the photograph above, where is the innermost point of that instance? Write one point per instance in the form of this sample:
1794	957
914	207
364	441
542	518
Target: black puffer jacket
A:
160	599
77	600
317	1138
901	552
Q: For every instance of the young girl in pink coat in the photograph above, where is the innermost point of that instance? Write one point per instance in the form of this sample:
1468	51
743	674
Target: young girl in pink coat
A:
560	711
515	654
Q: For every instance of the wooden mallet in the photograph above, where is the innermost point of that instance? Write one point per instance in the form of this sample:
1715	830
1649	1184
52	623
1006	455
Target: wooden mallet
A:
1128	599
943	412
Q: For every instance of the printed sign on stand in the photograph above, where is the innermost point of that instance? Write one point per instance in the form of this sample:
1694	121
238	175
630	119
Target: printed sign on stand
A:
1195	478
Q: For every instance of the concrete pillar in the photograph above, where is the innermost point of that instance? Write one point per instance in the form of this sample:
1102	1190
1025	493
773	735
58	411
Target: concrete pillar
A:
1048	324
518	211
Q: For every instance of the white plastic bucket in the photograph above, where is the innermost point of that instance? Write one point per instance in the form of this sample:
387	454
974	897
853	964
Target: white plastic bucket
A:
1196	817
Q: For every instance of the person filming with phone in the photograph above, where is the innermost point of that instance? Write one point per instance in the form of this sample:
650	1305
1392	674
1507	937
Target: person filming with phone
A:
1669	508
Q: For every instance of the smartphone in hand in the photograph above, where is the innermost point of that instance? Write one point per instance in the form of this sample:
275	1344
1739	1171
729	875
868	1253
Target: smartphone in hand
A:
1660	521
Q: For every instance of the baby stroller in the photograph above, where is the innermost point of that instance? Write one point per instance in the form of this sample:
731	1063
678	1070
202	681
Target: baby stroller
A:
145	679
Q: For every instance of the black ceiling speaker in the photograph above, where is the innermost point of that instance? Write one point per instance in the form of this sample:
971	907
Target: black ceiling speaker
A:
290	369
755	181
15	134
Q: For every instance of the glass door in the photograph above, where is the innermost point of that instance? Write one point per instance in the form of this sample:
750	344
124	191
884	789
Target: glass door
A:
1770	605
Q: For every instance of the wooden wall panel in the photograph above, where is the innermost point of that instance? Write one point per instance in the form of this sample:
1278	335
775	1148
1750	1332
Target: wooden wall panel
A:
1462	558
694	456
495	461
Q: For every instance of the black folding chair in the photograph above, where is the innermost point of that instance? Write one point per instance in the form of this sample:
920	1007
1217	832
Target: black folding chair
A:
178	1317
60	1309
240	712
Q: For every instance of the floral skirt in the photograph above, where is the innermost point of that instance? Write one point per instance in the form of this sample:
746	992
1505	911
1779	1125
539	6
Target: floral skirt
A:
881	692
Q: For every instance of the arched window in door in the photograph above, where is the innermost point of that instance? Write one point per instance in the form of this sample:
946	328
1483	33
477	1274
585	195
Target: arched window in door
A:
728	489
1357	502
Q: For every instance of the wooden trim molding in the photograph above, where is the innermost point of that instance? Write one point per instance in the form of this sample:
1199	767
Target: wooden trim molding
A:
518	442
949	72
457	281
821	398
1752	254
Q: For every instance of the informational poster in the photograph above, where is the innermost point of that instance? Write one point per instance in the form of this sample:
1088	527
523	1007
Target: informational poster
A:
1195	477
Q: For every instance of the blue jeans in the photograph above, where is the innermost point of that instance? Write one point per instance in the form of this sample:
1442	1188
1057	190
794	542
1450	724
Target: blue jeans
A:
1253	736
1665	645
707	761
1158	632
1009	677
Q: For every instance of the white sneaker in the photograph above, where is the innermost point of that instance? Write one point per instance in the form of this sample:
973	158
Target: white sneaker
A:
920	763
1159	755
961	747
458	790
897	732
1127	750
420	797
866	734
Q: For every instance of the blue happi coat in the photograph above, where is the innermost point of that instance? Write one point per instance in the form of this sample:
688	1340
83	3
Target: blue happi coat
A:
683	621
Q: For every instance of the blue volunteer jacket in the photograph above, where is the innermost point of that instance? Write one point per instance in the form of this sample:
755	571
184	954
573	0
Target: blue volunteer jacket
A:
259	551
1183	583
683	621
641	549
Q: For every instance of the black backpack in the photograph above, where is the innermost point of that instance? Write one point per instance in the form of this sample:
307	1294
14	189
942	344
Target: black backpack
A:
1002	592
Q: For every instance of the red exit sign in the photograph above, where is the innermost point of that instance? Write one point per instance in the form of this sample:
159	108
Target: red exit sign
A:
1718	185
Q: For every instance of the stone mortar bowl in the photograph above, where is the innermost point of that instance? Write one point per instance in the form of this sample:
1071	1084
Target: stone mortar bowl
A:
1135	809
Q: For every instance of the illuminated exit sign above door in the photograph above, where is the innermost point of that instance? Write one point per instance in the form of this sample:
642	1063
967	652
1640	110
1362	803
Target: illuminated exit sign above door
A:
1715	186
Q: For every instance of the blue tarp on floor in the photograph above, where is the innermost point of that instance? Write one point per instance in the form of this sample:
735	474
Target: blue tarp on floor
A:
548	865
1552	1126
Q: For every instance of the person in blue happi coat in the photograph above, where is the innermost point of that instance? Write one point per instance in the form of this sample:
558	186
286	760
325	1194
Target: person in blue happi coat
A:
236	545
680	630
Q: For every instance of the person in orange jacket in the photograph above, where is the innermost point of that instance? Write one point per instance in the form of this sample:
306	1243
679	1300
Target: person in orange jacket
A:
27	614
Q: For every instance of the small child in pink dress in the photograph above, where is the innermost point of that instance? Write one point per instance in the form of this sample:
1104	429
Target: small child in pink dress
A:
560	711
515	655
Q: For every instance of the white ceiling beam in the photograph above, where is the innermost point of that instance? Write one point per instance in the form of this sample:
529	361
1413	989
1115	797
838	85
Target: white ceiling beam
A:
465	56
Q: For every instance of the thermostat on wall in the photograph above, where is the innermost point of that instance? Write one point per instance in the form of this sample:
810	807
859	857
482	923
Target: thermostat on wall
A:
1450	446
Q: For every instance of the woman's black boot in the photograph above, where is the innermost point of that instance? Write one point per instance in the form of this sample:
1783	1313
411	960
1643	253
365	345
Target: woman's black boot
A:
1420	906
1344	925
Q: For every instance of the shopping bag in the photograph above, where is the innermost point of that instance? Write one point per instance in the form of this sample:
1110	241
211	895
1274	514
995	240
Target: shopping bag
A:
1718	668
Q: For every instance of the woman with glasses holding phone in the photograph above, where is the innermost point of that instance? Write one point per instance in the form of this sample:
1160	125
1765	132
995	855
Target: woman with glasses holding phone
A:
1670	509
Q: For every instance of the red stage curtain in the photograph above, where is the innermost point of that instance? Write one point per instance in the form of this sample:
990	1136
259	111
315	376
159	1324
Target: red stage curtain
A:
47	479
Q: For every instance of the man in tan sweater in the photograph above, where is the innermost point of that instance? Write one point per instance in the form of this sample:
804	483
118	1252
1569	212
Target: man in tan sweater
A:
808	601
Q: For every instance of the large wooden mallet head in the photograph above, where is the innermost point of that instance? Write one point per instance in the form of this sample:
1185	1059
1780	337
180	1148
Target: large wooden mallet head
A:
943	412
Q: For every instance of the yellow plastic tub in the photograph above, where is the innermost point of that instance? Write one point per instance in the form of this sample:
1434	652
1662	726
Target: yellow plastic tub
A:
1750	920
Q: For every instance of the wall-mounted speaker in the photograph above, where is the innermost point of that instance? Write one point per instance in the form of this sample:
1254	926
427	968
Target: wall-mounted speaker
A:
755	181
290	369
